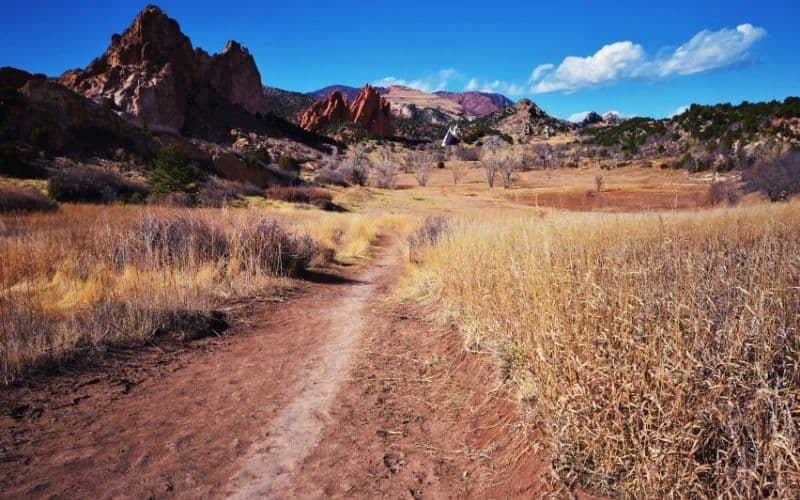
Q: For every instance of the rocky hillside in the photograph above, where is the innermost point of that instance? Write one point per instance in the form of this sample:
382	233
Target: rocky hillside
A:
519	123
287	104
152	72
478	103
50	117
345	90
721	136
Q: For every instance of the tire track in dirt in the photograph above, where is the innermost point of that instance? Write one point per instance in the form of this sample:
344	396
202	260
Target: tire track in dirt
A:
268	466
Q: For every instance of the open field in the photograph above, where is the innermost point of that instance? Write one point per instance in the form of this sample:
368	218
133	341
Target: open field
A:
88	276
657	354
647	342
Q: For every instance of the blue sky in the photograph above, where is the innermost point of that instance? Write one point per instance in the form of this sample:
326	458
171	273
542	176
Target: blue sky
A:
637	58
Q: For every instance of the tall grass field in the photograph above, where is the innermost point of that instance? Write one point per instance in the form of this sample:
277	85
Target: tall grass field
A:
86	277
656	354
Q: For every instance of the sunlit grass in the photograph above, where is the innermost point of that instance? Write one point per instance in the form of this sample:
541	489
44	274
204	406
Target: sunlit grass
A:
657	354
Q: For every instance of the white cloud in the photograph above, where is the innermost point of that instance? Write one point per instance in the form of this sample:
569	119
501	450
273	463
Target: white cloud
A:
705	51
610	63
679	110
710	50
495	86
427	83
578	117
539	71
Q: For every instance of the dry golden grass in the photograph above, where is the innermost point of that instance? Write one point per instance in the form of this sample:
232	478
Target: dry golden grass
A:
657	354
90	276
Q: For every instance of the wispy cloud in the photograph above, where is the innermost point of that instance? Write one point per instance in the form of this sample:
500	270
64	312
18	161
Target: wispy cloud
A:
625	60
495	86
432	82
581	115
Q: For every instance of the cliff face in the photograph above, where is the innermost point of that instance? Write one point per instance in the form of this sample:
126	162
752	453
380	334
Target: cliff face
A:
152	72
70	121
372	112
329	110
369	110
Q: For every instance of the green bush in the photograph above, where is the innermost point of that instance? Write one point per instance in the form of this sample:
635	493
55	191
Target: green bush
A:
172	173
289	164
255	157
40	138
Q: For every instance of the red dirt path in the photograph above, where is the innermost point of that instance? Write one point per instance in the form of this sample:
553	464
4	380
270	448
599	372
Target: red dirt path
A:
335	393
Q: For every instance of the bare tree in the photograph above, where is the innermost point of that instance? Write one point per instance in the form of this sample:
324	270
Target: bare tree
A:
458	170
598	182
419	163
724	191
358	165
385	169
778	178
508	164
491	162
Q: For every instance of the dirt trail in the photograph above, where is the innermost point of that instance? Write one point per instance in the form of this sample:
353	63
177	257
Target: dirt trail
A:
335	393
267	469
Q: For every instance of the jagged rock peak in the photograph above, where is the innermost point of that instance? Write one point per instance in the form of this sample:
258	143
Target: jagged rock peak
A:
152	72
372	112
369	109
332	109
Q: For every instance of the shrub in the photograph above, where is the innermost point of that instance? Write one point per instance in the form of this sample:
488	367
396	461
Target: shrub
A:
778	178
179	240
17	199
184	200
256	156
723	191
298	194
428	234
216	192
91	185
440	164
40	138
334	175
269	247
172	172
108	103
289	164
385	169
419	163
12	166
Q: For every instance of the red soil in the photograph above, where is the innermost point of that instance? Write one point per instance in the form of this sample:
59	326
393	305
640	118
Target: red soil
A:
336	393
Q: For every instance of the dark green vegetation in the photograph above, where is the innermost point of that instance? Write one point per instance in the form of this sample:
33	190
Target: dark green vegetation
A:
173	173
536	122
741	134
287	104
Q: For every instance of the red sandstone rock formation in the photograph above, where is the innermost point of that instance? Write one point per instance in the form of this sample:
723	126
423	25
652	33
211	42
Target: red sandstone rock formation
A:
152	72
329	110
372	112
